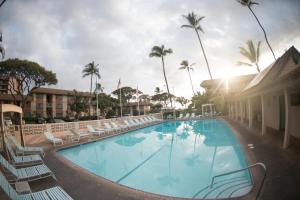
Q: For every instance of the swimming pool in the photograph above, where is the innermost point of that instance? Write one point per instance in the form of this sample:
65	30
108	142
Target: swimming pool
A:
172	158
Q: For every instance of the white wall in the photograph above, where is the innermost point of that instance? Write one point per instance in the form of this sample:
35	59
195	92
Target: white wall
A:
295	121
272	112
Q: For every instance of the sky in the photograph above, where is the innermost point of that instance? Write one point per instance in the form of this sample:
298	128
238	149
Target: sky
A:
64	36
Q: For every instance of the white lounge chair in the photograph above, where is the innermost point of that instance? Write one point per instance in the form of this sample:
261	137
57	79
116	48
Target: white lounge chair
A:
20	150
187	115
54	193
134	123
76	136
93	131
119	126
193	115
138	122
28	173
23	160
180	116
129	124
53	139
110	128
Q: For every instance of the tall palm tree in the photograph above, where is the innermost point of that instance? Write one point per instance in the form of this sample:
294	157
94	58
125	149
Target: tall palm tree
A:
249	4
251	54
194	23
161	52
2	51
185	66
91	69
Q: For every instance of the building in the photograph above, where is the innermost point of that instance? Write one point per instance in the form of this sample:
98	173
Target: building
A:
47	102
270	102
222	90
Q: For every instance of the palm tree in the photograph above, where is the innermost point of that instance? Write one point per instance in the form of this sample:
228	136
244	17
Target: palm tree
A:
91	69
2	51
158	90
194	23
250	3
185	66
160	52
251	54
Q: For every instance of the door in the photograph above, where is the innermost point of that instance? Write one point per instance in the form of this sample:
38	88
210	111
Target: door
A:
281	113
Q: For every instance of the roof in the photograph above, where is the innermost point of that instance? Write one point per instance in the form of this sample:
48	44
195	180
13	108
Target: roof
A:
57	91
207	83
282	69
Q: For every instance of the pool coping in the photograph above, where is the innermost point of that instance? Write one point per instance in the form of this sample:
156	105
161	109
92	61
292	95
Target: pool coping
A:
249	156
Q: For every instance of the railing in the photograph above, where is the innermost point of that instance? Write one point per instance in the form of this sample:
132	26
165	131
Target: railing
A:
259	164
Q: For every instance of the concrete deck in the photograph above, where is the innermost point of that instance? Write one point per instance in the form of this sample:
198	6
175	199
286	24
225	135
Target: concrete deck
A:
283	176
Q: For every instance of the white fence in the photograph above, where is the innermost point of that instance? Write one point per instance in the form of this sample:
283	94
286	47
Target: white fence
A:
34	129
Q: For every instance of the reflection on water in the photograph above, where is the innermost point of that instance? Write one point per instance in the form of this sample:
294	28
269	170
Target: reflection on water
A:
172	158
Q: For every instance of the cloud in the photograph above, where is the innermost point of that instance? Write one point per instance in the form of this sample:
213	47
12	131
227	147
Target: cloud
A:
66	35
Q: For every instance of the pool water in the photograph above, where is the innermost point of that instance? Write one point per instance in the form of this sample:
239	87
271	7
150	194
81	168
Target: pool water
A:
172	158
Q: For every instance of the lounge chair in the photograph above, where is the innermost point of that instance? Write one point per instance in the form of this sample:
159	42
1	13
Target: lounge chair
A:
93	131
76	136
187	115
119	126
23	160
193	115
20	150
28	173
138	122
129	124
54	193
134	123
180	116
52	139
110	128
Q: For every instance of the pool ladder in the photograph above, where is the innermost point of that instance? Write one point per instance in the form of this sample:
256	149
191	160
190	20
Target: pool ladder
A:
232	185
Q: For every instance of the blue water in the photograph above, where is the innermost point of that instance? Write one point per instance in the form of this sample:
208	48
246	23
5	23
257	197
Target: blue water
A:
172	158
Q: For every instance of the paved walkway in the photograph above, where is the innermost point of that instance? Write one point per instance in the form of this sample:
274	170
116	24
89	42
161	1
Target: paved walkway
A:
282	183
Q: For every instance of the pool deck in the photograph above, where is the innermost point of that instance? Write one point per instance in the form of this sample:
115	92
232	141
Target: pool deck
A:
283	175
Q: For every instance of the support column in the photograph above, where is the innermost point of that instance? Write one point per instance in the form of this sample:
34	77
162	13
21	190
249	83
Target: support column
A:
286	140
236	111
263	123
241	112
250	113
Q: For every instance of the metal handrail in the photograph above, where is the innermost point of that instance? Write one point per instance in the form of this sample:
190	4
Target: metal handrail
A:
243	169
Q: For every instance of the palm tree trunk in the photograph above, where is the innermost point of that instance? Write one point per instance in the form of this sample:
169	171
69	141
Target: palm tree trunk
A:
265	34
191	82
163	63
90	101
257	67
208	68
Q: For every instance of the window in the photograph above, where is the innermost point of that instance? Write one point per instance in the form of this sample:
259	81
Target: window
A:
59	98
295	99
58	106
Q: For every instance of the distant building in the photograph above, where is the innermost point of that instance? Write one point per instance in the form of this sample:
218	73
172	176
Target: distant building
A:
47	102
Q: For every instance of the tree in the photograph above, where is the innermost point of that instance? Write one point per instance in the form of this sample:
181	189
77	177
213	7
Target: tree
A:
157	90
251	54
24	76
161	52
79	103
126	94
185	66
183	101
199	99
2	51
91	69
194	23
162	98
106	102
249	4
